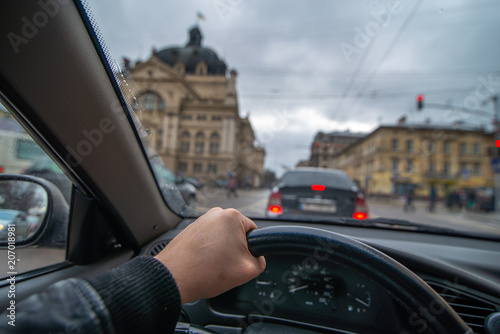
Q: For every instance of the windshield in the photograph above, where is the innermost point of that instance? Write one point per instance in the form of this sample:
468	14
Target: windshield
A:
400	95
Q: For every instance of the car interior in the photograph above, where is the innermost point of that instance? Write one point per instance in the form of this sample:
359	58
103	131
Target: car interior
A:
56	81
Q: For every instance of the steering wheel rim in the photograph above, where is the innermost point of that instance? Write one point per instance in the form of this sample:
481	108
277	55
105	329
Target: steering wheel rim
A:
429	310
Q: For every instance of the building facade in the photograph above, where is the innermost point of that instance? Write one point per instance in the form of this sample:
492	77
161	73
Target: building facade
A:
188	103
393	158
327	145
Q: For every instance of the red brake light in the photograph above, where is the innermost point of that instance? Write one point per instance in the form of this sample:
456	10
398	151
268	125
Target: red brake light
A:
360	208
276	209
360	215
274	206
1	169
318	187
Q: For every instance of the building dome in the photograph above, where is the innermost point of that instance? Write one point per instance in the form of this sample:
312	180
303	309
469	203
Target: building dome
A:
193	54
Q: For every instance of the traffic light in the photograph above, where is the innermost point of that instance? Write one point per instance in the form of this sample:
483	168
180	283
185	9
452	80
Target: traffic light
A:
420	102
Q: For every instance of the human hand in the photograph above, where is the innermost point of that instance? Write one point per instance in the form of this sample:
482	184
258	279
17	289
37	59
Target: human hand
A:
211	255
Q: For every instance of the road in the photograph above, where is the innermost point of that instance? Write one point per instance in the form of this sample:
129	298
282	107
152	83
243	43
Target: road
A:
253	203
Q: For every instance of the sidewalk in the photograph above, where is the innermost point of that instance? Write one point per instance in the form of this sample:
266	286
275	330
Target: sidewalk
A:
420	206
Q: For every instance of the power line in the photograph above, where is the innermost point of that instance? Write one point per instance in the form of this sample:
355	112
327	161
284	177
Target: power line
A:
376	95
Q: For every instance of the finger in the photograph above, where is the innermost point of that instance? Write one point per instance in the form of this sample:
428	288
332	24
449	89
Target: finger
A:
248	224
214	209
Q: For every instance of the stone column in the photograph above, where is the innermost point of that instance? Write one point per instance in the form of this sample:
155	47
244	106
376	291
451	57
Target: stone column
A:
225	134
165	132
175	126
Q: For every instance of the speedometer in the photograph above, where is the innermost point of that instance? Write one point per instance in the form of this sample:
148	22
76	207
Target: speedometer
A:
311	285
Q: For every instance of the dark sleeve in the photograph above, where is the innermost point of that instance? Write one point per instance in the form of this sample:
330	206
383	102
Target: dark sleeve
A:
141	296
138	297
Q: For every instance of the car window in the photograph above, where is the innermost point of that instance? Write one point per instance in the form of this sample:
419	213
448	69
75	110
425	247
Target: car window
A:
401	96
303	178
26	241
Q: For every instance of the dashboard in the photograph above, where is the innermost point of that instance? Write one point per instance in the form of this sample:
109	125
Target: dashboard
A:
298	294
306	290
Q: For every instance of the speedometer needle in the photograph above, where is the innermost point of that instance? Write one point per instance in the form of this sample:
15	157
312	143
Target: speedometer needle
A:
299	288
264	283
361	302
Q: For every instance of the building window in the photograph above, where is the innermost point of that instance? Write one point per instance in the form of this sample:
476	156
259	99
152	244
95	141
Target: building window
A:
183	167
476	169
201	68
446	168
395	145
464	171
185	139
212	168
150	101
179	68
395	165
476	149
446	147
432	166
432	146
409	145
199	145
202	117
463	148
187	117
216	118
214	143
409	165
197	168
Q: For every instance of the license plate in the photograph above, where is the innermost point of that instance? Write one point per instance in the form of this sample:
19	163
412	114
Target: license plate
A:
319	207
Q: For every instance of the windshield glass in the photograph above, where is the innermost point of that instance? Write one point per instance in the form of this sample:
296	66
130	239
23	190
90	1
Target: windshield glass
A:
401	95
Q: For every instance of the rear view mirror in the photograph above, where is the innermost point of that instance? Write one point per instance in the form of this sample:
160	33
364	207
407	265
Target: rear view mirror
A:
25	203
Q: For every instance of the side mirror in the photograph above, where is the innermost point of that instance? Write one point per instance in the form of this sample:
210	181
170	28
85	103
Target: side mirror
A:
31	209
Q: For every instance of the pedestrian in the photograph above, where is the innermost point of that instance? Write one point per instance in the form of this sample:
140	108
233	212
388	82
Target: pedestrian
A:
231	187
432	199
410	196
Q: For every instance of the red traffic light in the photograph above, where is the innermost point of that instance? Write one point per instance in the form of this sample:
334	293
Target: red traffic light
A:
420	101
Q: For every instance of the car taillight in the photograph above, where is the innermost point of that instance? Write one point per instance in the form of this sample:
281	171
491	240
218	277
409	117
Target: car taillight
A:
1	169
274	206
360	208
318	187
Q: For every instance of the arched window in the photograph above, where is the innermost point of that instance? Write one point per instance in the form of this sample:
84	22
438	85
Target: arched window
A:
150	101
201	68
185	140
179	67
199	145
214	143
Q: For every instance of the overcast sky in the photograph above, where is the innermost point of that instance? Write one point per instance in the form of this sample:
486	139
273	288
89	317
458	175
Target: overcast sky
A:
324	65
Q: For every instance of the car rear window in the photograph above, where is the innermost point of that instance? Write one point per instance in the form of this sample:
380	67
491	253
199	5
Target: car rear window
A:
308	178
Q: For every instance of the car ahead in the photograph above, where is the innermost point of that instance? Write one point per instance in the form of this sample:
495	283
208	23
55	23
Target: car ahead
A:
309	192
57	82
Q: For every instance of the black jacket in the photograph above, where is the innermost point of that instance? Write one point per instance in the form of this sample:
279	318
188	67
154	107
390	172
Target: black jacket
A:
138	297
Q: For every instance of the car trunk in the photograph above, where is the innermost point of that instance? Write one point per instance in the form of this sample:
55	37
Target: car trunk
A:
331	202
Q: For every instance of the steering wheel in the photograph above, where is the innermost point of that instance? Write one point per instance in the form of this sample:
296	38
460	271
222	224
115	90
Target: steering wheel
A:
404	286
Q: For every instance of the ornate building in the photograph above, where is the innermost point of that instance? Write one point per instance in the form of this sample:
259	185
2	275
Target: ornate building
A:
189	105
